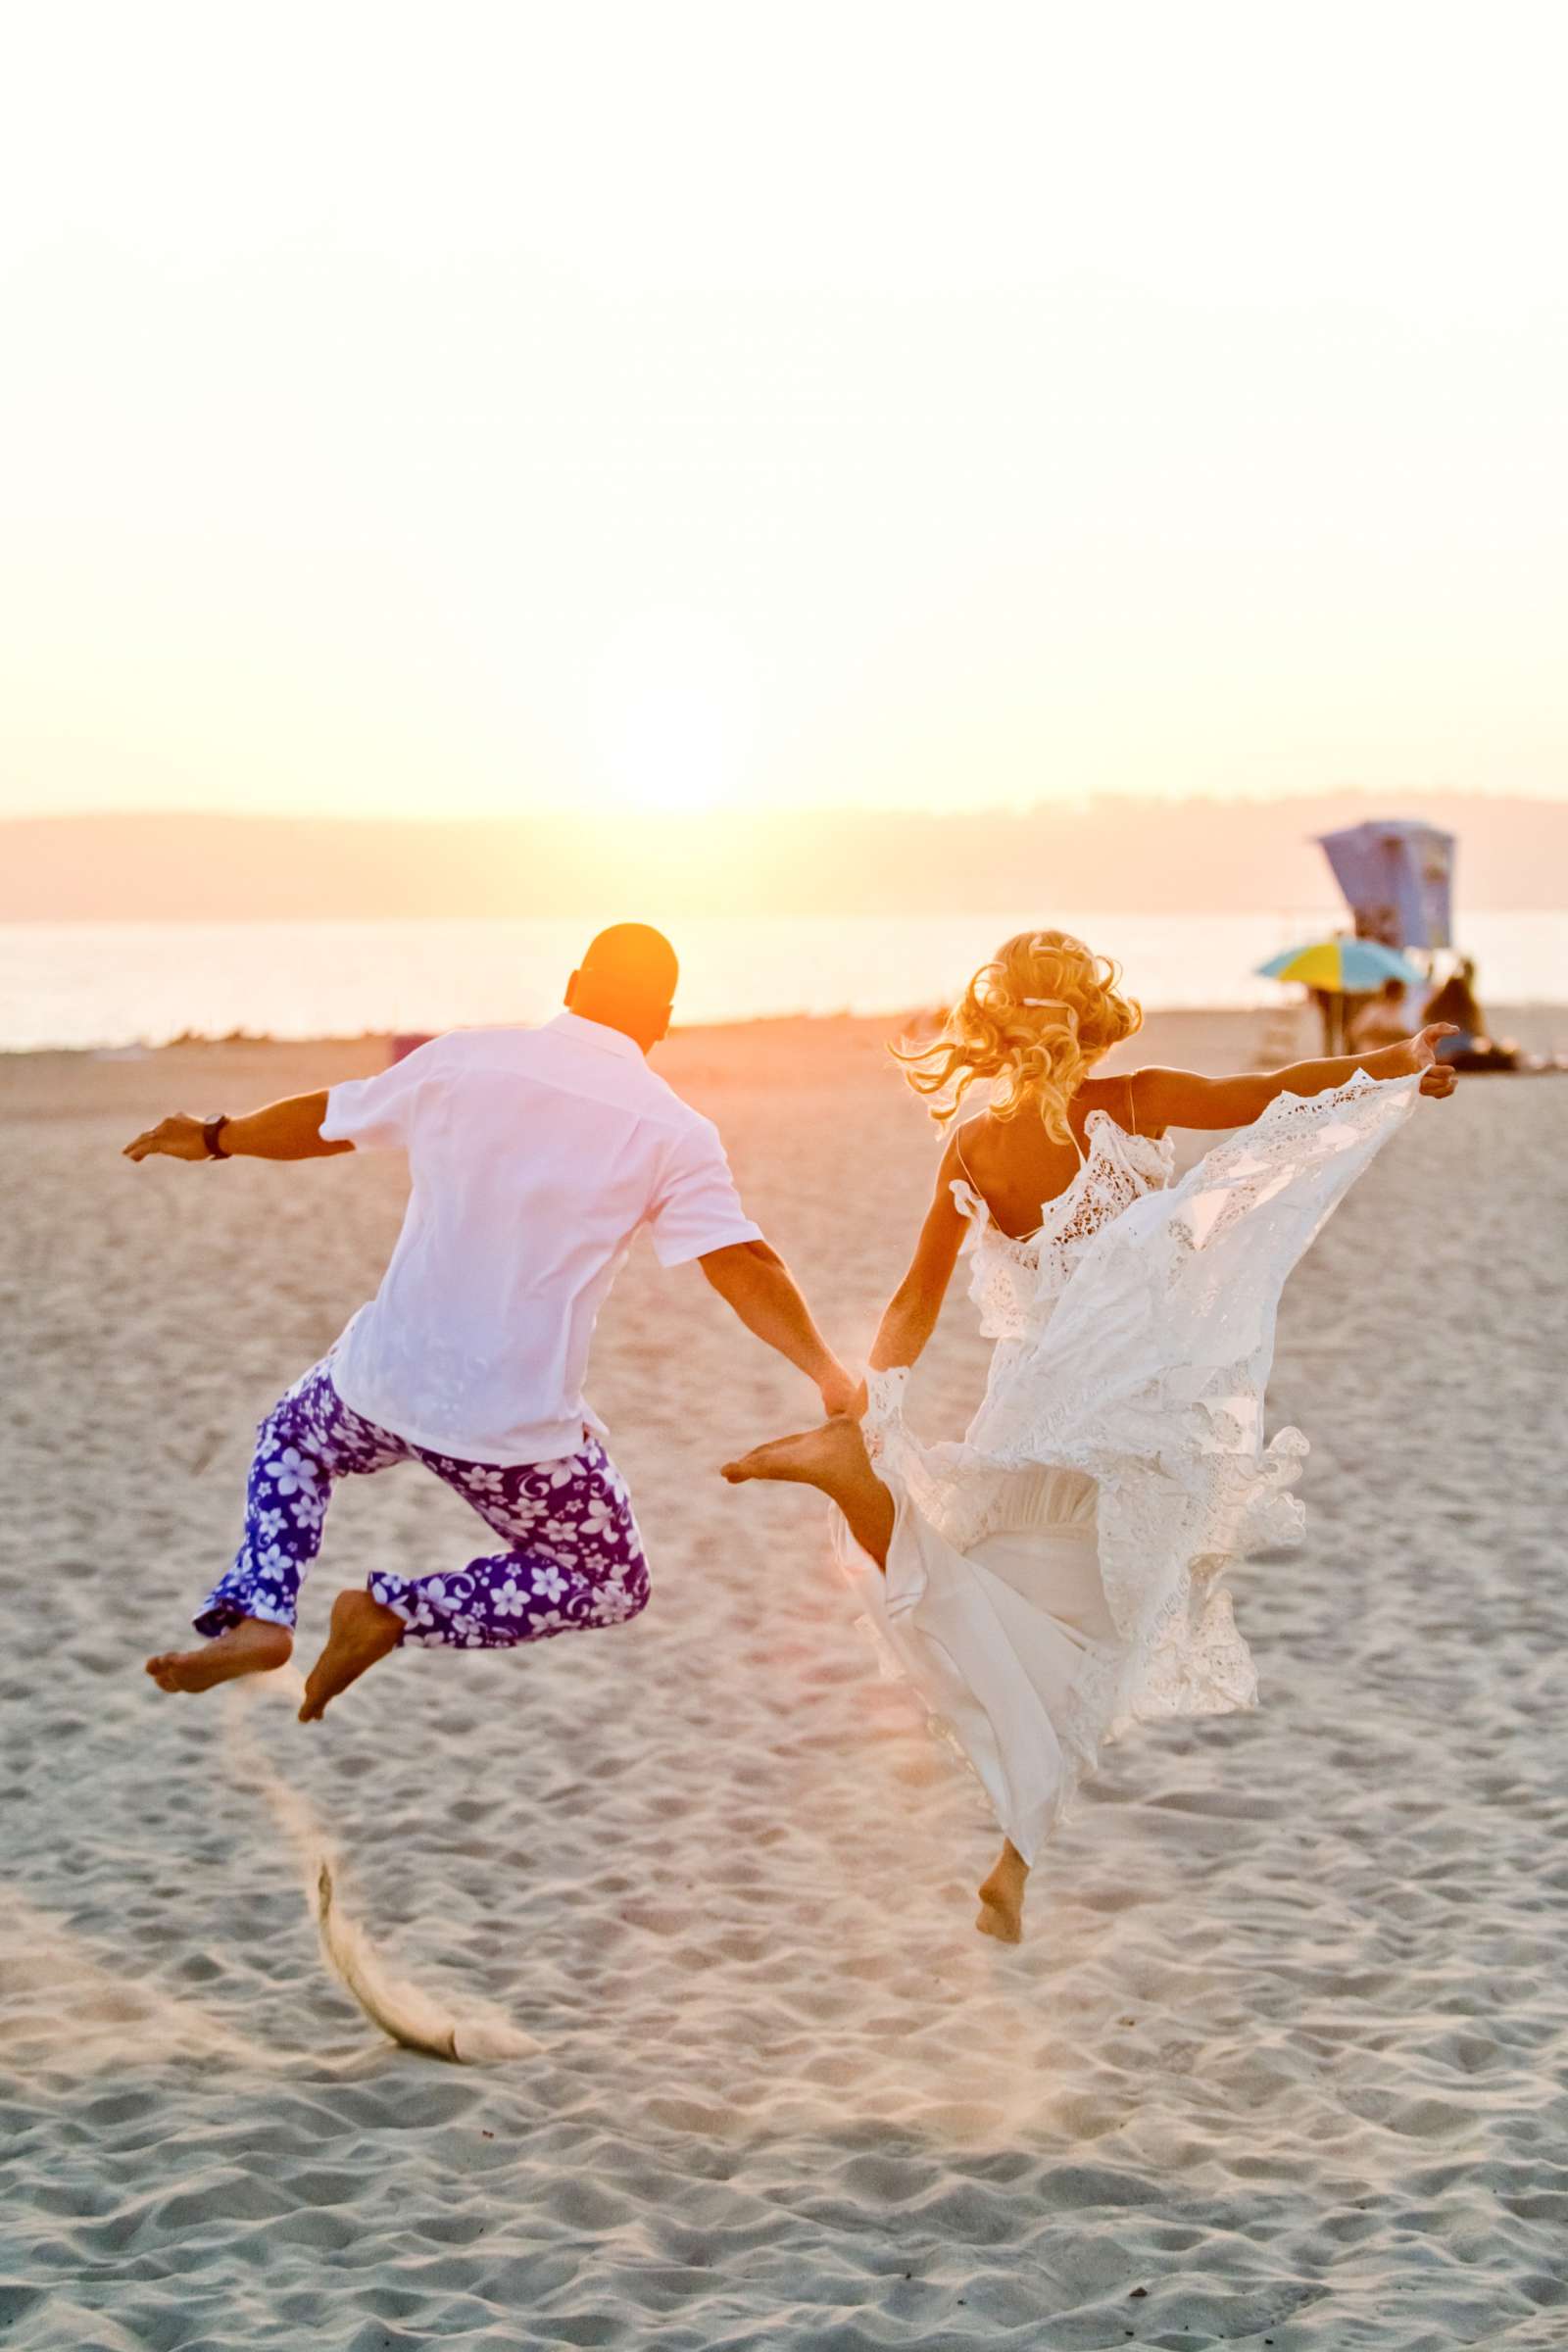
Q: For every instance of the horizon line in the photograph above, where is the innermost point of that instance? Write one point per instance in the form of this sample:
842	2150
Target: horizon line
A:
798	812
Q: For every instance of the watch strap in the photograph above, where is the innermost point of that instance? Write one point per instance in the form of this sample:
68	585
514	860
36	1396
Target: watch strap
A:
211	1130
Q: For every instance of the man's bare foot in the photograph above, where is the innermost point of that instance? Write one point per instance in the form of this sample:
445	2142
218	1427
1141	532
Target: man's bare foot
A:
363	1631
1000	1912
253	1646
815	1457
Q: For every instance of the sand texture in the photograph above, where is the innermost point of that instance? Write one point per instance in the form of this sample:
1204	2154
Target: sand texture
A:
1283	2061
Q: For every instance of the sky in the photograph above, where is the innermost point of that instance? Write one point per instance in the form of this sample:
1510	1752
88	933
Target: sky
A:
460	409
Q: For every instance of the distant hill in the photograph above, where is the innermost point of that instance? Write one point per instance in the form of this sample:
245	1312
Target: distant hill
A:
1127	856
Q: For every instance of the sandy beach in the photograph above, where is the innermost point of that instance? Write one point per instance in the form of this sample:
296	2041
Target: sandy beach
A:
1283	2062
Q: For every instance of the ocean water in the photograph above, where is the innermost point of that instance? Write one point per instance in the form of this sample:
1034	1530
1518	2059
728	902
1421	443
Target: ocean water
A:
123	984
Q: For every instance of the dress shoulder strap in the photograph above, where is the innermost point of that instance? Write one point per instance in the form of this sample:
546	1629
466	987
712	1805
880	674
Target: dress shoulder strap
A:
971	1200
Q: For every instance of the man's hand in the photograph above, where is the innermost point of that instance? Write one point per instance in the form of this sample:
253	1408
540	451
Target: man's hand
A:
754	1280
1419	1054
842	1393
179	1137
286	1129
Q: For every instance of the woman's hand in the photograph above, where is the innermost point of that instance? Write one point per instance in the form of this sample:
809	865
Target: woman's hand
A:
1418	1057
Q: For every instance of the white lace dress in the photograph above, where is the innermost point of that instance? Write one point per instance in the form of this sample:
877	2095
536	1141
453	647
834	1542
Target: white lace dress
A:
1057	1575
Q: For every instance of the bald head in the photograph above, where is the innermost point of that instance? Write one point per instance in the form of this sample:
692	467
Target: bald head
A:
627	980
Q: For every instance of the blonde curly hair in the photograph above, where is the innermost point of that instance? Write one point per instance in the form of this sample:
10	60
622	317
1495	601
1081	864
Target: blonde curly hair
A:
1034	1021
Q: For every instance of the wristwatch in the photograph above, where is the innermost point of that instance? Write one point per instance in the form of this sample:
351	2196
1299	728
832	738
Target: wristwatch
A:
211	1129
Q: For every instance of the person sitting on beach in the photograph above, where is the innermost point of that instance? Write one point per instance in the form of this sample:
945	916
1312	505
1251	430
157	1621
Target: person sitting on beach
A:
535	1157
1470	1047
1380	1021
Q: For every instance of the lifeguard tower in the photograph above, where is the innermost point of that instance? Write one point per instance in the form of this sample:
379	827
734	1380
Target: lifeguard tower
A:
1396	875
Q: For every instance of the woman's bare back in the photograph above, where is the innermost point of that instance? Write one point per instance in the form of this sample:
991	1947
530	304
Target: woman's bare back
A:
1018	1168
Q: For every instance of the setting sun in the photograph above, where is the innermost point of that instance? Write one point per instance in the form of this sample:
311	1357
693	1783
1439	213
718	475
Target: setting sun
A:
672	721
644	468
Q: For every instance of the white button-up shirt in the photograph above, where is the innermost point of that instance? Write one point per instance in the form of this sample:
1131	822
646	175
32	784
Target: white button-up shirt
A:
535	1156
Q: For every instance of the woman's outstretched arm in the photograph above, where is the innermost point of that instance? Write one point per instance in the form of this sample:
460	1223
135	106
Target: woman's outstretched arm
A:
1164	1099
912	1312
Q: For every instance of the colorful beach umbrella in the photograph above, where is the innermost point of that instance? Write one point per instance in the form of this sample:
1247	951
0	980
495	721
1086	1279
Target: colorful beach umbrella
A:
1345	967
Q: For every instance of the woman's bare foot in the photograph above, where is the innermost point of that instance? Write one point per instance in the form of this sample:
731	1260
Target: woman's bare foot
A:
1000	1912
834	1458
362	1632
253	1646
814	1457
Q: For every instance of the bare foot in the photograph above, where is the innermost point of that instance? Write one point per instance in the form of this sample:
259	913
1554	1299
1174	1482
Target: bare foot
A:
1005	1926
253	1646
823	1456
363	1631
834	1458
1000	1912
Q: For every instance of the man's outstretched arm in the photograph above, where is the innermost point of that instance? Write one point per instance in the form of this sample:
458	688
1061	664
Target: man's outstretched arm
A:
286	1129
757	1283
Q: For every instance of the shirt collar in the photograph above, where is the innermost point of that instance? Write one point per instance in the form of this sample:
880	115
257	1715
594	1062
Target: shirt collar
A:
599	1034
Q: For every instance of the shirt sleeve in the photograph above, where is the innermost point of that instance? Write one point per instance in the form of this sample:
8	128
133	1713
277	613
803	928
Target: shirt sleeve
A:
380	1112
696	1207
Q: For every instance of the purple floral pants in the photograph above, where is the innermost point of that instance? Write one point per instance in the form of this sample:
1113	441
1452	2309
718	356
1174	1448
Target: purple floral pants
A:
571	1555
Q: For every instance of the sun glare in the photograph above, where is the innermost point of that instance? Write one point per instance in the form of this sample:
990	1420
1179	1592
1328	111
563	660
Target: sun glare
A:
673	716
671	750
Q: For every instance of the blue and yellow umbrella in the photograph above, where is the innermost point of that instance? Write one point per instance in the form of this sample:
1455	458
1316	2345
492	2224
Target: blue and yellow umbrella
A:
1345	967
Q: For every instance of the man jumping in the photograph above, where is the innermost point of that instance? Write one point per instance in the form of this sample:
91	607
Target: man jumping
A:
535	1156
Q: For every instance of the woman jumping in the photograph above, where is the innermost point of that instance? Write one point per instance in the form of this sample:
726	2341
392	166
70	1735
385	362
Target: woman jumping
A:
1056	1576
